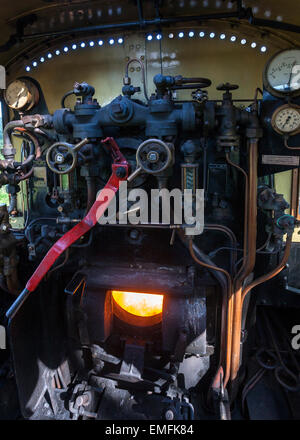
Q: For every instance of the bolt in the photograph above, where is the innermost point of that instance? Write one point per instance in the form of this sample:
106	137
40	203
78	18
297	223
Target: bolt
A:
121	172
152	156
59	158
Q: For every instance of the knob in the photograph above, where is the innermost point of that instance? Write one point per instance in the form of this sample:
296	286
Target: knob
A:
227	87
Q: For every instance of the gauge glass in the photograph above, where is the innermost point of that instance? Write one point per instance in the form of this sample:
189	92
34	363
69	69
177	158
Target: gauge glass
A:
283	71
287	120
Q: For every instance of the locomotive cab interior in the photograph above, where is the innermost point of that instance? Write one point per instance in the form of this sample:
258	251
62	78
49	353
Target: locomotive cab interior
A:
149	216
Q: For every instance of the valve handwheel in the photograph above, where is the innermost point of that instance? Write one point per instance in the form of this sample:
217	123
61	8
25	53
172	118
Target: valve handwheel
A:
61	157
153	156
227	87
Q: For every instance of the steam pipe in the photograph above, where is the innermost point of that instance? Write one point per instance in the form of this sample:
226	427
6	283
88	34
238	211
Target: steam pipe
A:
143	74
231	236
227	297
9	151
203	260
226	329
287	145
12	203
136	24
274	272
8	129
275	24
91	192
249	262
245	207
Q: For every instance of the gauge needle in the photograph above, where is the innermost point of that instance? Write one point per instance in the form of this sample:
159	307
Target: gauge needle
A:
287	120
291	75
18	97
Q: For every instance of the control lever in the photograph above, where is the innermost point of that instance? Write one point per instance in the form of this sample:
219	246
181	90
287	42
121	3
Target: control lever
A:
120	170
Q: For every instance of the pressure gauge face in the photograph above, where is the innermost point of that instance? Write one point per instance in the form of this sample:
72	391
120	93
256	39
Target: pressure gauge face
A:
286	120
21	95
282	73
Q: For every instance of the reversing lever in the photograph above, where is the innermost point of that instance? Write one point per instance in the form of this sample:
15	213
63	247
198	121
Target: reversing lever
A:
120	169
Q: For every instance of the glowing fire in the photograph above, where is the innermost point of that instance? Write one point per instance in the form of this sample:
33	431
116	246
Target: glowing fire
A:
139	304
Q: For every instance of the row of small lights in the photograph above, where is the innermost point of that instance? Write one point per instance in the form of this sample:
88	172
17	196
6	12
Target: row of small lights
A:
192	34
74	46
149	37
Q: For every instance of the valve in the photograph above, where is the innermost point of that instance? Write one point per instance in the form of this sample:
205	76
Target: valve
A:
153	156
130	90
61	157
227	87
228	138
286	222
200	96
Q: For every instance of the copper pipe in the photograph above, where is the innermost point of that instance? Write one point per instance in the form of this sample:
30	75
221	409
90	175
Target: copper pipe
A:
287	145
245	209
295	192
25	176
231	307
231	236
225	349
250	259
265	243
208	266
38	151
274	272
224	229
227	307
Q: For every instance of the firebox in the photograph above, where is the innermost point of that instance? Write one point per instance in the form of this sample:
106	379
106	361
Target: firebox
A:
168	309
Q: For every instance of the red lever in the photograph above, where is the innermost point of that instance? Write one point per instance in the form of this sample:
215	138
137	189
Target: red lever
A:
100	205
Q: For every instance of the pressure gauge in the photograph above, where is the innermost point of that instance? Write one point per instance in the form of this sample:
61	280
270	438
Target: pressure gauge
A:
286	120
21	94
282	74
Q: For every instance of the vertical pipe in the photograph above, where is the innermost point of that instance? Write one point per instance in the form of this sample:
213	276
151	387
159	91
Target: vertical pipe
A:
250	258
295	193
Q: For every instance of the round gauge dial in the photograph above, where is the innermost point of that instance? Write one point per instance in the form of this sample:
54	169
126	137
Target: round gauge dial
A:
282	73
21	95
286	120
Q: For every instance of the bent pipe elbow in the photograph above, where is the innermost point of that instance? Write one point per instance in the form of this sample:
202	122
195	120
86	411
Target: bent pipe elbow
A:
8	129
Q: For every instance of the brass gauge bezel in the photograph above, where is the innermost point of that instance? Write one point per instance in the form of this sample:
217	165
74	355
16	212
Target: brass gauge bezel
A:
275	114
32	94
267	85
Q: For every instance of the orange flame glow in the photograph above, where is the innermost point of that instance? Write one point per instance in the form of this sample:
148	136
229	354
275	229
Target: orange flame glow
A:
139	304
